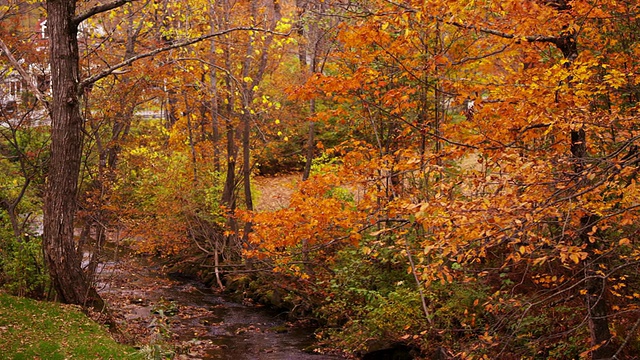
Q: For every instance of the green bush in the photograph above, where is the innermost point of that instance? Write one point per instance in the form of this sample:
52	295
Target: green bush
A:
371	299
459	307
22	269
396	317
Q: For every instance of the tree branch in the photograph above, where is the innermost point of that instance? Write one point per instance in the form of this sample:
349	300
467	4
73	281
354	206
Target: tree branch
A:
480	57
529	38
99	9
630	334
106	72
31	82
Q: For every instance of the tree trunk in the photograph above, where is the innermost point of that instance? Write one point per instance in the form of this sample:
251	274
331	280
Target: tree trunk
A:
595	301
67	277
246	158
228	193
215	118
246	174
311	141
595	298
191	138
11	207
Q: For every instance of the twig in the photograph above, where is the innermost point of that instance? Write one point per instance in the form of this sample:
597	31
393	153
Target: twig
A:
108	71
415	276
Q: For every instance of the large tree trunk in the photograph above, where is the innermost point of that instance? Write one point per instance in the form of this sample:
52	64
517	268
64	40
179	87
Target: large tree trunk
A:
595	299
61	256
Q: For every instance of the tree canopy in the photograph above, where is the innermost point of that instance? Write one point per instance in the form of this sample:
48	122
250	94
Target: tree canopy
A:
469	168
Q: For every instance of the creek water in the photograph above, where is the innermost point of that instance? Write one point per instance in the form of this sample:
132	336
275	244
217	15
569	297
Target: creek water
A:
205	324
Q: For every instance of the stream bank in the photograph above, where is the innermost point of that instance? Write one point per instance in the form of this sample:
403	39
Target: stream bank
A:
180	317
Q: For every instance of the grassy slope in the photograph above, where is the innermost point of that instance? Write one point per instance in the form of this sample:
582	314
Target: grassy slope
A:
40	330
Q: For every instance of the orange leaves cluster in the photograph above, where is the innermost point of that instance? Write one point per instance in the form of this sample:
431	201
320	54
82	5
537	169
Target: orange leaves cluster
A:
509	186
321	218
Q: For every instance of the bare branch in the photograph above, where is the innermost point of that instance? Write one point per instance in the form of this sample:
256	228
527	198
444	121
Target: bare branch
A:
31	82
106	72
480	57
529	38
630	334
99	9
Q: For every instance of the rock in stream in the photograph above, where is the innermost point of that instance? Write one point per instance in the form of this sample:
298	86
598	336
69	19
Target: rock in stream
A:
196	321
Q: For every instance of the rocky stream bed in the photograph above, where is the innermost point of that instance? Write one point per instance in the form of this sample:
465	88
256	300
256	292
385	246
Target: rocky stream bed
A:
180	317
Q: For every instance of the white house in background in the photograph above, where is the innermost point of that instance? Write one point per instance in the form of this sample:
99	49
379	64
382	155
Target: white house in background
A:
11	88
14	89
42	36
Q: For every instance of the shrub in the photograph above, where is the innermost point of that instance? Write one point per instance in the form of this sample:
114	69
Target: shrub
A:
22	269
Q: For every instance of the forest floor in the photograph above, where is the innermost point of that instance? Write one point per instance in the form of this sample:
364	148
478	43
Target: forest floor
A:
274	192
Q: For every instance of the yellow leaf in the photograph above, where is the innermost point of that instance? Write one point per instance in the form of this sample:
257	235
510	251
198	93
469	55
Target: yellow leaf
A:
539	260
575	257
283	27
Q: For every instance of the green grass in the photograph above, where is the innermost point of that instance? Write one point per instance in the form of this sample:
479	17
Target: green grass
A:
32	329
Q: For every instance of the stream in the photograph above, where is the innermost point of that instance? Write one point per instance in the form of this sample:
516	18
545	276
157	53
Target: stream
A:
198	322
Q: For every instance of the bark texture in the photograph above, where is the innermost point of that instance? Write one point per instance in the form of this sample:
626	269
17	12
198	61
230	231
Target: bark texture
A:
61	255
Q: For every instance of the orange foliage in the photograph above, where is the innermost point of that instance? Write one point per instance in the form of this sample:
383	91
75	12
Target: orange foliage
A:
320	218
502	135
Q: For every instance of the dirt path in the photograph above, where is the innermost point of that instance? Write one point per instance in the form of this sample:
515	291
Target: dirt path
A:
274	192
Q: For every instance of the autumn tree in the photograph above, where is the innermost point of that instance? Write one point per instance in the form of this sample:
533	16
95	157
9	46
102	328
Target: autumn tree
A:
219	108
66	149
498	157
314	25
66	20
20	115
